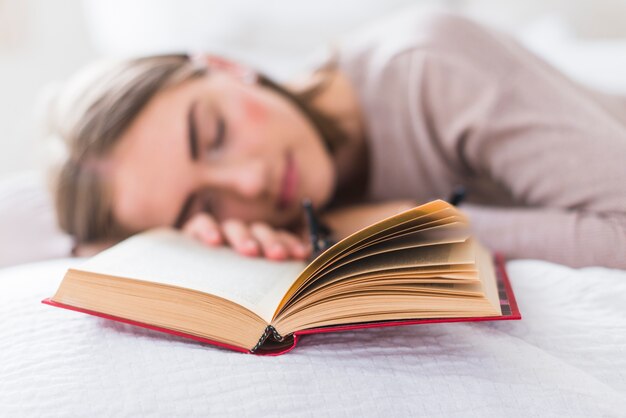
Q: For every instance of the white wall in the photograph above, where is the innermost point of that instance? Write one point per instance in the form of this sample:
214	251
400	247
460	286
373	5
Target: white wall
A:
588	18
275	36
40	41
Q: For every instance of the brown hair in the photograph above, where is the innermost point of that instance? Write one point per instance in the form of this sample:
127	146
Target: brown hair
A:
95	110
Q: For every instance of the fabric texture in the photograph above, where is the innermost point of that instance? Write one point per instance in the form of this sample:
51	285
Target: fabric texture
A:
565	358
448	102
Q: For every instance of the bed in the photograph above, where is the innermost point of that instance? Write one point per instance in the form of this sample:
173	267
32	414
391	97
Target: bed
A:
567	357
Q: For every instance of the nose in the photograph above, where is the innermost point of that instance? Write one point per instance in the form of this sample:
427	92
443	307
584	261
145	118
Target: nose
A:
248	179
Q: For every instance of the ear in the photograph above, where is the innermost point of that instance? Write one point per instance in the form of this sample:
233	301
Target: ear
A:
217	63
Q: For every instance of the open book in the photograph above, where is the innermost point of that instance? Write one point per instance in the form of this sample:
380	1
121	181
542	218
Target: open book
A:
421	265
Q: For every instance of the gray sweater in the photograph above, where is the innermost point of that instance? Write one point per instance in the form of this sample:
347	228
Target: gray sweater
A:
448	102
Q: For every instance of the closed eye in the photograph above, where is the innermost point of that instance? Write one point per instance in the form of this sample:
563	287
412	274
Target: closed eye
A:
220	133
192	132
197	202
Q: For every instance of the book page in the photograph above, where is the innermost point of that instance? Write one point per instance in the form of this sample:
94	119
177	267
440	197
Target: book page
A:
484	262
434	255
425	213
166	256
441	234
435	258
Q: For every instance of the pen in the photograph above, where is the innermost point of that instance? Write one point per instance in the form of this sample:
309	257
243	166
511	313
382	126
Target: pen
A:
458	195
312	224
319	234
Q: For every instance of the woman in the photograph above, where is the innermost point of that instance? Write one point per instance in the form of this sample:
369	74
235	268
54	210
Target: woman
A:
411	109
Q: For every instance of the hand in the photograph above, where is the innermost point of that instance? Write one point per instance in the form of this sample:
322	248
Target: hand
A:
255	239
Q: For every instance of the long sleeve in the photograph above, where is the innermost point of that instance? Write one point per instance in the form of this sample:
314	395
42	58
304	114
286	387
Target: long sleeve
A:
570	237
564	164
449	102
558	153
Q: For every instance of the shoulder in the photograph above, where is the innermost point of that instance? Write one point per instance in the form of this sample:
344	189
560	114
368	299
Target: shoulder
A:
433	35
416	29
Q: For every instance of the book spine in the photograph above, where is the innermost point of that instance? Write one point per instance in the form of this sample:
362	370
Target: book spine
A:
270	330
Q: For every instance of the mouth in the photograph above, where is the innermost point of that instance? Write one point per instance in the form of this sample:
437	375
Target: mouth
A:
287	196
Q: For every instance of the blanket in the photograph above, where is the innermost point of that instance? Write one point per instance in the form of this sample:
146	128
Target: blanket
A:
566	357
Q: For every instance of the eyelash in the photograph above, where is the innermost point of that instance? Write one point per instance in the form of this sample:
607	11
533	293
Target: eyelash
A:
220	134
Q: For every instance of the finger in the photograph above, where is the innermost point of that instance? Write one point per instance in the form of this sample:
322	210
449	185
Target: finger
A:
204	228
238	235
272	245
296	247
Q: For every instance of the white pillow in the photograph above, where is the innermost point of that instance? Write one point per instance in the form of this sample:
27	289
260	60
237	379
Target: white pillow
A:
28	229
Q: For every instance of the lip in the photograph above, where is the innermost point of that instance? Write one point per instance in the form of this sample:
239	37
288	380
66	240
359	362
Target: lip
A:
288	185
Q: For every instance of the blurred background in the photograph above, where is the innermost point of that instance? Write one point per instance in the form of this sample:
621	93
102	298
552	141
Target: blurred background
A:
43	42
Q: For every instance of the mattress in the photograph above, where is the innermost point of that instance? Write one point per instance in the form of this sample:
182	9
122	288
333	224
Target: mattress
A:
566	357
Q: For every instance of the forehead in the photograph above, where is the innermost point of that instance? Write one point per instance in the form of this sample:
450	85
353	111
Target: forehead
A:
150	165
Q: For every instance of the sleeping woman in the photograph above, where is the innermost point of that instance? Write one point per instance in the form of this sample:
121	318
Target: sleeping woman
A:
405	113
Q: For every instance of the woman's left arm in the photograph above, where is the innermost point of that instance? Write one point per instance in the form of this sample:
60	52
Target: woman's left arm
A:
556	147
574	238
570	237
561	154
482	110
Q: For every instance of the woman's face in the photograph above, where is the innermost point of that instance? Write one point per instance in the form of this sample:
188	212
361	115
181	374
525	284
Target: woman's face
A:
222	145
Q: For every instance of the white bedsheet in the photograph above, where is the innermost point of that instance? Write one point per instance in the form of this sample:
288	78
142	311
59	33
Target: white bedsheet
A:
567	357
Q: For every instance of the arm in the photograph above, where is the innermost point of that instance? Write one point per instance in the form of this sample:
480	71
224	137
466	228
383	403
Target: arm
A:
561	157
515	232
557	150
570	237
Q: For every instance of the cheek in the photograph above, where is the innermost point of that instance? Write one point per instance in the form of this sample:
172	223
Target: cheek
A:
254	111
244	107
249	119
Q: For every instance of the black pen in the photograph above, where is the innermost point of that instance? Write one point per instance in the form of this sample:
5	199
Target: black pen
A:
458	195
312	224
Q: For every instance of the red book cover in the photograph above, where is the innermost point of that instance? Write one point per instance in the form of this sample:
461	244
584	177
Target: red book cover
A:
269	345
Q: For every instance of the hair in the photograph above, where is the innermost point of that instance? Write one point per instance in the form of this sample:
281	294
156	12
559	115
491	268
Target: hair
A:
98	106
